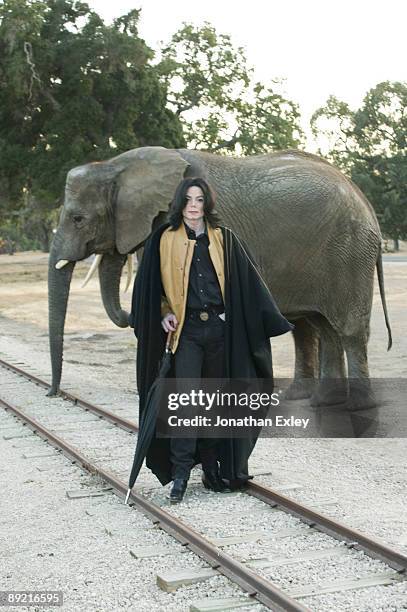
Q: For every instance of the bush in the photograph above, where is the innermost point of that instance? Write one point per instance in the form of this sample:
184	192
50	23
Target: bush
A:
13	238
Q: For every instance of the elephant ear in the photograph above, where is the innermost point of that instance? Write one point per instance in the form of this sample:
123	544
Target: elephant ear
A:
146	185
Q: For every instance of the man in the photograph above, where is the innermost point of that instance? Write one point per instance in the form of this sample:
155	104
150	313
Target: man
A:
197	280
199	349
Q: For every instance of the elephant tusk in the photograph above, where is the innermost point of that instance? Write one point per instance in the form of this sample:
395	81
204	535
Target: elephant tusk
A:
129	271
92	270
61	263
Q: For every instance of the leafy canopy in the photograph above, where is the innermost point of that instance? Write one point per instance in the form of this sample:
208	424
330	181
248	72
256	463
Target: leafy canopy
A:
72	90
212	90
370	144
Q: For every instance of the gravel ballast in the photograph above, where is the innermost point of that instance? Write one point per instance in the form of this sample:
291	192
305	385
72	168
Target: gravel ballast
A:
83	546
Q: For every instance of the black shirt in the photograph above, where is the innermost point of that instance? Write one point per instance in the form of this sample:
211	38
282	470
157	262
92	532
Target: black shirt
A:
203	287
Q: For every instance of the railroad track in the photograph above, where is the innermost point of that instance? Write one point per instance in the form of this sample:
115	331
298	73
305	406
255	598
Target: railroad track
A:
262	576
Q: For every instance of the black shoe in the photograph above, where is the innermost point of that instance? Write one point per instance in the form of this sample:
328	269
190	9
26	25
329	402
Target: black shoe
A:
238	484
179	487
212	481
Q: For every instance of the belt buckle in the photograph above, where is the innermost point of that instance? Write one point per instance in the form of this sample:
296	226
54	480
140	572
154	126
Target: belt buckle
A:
204	316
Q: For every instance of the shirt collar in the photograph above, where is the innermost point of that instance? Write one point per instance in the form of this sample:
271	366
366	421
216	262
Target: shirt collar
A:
191	232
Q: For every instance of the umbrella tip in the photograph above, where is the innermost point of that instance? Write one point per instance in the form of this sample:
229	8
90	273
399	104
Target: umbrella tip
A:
127	496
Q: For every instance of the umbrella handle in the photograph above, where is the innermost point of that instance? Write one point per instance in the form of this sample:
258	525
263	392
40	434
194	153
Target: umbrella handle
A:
167	344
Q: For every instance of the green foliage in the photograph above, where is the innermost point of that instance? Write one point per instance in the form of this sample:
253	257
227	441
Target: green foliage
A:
370	144
211	89
73	90
13	238
28	228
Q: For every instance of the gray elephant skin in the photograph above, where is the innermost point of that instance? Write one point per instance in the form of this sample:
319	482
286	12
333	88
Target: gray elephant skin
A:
314	235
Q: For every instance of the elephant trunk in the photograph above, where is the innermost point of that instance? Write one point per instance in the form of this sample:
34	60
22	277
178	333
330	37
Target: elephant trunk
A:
59	282
110	270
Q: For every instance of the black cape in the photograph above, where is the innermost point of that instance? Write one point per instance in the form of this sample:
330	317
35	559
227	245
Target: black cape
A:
252	317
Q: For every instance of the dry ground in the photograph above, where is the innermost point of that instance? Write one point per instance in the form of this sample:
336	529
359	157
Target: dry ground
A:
363	481
24	315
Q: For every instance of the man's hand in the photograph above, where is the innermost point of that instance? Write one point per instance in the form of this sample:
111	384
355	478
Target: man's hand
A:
169	322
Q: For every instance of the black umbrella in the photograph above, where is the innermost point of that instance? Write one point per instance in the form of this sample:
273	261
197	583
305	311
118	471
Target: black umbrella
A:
149	416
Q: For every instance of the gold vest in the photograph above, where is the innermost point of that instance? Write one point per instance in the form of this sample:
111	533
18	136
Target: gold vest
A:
176	252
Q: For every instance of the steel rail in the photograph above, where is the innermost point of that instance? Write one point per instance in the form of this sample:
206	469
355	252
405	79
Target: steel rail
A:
258	588
101	412
354	539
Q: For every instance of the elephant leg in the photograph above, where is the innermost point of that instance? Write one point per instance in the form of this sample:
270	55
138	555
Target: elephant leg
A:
361	395
306	361
332	386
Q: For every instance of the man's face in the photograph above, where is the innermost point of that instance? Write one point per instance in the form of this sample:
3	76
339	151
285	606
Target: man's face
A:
194	207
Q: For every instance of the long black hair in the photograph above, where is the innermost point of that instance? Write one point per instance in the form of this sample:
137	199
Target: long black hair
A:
180	199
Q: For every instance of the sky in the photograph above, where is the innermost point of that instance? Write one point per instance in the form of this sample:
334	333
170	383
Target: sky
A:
321	47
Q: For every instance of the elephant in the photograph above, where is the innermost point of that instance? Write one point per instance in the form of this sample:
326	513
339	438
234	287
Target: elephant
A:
314	235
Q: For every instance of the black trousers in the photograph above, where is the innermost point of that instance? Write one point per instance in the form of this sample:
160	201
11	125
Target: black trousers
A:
200	354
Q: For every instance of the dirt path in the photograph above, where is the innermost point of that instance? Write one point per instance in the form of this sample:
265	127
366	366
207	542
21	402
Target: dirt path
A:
24	317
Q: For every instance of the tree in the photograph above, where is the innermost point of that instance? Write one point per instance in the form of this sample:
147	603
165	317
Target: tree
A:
72	90
211	90
370	144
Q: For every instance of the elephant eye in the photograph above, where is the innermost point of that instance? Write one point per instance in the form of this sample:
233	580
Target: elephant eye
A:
78	218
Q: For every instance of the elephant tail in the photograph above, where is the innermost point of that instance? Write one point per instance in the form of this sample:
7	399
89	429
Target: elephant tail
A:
379	266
